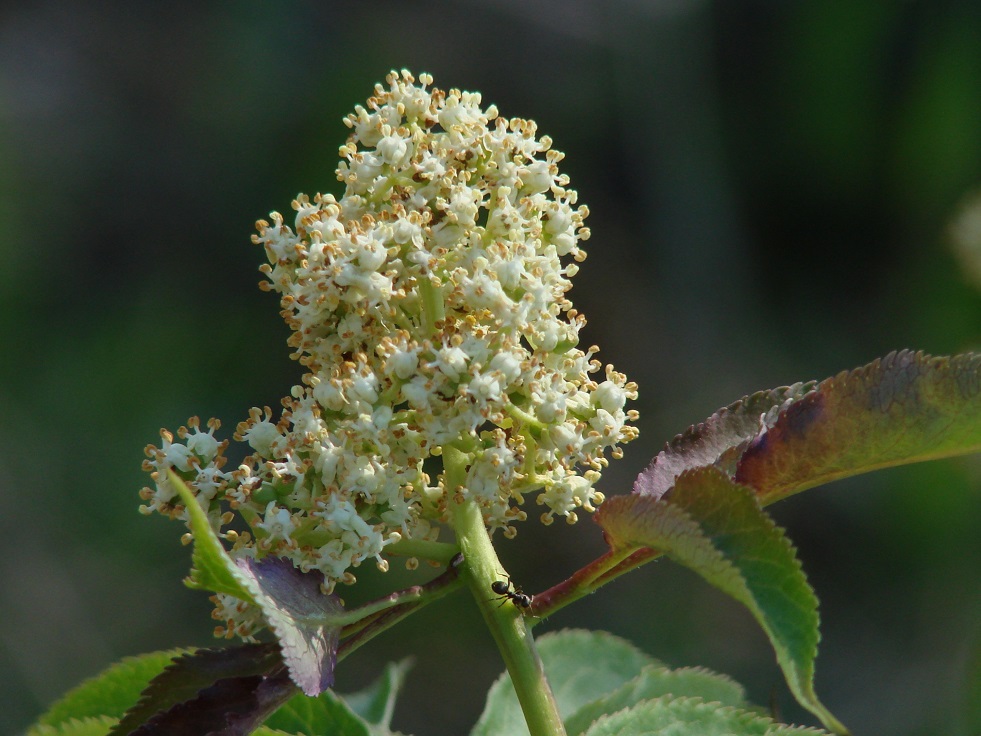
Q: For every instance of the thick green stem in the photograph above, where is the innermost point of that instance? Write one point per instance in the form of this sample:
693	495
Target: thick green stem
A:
511	633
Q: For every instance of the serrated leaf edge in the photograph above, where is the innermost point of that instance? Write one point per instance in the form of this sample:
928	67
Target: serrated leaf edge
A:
753	717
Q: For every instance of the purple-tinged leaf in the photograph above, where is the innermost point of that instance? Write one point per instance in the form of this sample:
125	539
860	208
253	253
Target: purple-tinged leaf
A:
716	528
191	673
904	408
230	707
303	618
301	615
718	440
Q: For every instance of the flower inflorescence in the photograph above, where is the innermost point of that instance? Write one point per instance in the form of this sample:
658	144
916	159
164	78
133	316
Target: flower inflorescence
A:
428	306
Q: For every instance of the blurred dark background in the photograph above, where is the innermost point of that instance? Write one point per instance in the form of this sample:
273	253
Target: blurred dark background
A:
770	183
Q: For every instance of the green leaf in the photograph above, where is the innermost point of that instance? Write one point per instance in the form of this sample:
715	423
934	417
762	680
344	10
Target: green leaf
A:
89	726
656	682
112	692
683	716
326	713
904	408
212	568
579	665
367	711
716	528
303	618
376	703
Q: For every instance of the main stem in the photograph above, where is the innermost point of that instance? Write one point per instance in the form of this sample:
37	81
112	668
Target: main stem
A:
507	625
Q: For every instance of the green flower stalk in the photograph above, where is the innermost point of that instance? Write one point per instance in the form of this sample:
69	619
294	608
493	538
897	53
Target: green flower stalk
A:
428	305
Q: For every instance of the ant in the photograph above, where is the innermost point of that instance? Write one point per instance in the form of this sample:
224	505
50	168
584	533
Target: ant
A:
517	596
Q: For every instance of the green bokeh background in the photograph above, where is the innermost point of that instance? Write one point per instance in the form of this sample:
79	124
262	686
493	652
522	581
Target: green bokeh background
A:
770	186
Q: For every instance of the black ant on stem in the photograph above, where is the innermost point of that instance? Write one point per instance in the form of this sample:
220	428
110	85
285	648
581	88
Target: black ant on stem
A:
517	596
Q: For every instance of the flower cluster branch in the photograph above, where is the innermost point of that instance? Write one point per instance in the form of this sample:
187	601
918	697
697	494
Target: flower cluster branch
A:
428	306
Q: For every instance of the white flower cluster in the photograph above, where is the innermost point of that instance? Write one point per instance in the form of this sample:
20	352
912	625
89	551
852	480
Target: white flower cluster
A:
428	305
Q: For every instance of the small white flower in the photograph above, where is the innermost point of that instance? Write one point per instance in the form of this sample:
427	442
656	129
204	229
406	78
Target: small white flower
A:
278	523
392	148
209	482
340	514
451	362
381	417
365	168
402	363
567	495
508	365
565	440
328	459
407	230
177	456
371	255
610	397
263	437
203	444
417	393
551	408
485	388
364	387
328	394
537	177
365	477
